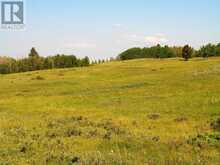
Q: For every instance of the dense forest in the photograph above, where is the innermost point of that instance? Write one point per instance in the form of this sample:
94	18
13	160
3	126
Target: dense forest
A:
159	51
35	62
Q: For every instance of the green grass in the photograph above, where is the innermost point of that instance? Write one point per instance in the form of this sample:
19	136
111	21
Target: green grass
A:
132	112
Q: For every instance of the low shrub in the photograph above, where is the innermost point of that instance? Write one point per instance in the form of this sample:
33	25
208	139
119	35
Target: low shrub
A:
216	125
180	119
38	78
154	116
207	139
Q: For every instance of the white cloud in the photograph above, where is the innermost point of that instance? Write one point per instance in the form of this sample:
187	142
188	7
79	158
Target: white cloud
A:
135	38
118	25
141	39
156	39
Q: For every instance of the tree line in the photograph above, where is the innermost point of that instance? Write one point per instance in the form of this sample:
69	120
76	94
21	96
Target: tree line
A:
35	62
159	51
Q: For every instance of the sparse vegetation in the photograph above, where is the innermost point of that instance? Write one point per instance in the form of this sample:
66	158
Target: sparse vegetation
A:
39	78
126	112
216	124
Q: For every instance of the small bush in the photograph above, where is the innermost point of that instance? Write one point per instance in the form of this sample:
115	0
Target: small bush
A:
154	116
73	132
38	78
60	74
112	128
180	119
211	139
23	149
216	125
156	138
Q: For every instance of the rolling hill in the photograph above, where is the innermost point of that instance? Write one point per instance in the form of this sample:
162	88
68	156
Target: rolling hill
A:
128	112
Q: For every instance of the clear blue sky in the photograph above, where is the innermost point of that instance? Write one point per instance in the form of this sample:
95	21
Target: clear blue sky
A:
103	28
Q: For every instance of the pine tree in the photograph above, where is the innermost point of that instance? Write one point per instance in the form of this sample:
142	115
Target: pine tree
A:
33	53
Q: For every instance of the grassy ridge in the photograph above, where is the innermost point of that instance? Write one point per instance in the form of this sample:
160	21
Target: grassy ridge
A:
132	112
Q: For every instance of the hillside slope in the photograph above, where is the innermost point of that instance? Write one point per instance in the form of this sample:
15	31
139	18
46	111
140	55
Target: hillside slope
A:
131	112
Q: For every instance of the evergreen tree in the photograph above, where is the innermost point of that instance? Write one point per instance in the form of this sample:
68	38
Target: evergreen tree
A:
85	61
187	52
33	53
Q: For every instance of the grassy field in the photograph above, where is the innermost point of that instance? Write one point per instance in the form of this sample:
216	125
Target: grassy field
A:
133	112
